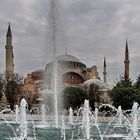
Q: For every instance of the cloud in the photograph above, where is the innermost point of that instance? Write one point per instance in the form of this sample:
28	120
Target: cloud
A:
88	29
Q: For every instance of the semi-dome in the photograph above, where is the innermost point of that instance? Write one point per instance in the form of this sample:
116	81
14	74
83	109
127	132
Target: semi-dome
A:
97	82
68	58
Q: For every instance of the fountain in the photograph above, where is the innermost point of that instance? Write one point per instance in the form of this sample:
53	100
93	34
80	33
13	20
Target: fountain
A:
135	120
71	115
54	81
43	112
84	128
120	115
63	129
17	114
96	116
86	119
23	120
87	126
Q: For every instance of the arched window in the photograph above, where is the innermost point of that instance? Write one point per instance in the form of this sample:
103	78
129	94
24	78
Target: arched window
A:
72	78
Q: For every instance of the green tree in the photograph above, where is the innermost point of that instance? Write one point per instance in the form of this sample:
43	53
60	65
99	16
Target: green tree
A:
137	83
124	96
11	88
124	83
125	93
74	97
1	87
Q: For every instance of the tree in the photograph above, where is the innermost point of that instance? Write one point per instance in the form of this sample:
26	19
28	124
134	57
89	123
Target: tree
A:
137	83
11	88
125	93
124	83
124	96
74	97
1	87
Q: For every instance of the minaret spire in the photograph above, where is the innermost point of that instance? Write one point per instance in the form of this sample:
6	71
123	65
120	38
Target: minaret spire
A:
9	54
66	51
126	62
105	71
9	33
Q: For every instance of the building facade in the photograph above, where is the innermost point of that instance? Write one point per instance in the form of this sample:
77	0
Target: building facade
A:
32	84
71	70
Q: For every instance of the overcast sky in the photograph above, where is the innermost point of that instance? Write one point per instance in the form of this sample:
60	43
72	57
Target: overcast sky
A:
88	29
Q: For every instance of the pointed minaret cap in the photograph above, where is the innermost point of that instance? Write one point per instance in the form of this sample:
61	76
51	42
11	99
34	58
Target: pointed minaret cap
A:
126	52
9	33
104	62
66	51
105	71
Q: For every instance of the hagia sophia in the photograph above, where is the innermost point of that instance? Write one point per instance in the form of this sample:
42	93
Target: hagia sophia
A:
72	71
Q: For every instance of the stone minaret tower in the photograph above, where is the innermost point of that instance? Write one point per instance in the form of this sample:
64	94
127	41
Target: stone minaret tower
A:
9	54
105	71
126	63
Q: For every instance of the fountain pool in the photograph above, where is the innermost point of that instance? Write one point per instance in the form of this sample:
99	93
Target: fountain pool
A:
85	127
108	132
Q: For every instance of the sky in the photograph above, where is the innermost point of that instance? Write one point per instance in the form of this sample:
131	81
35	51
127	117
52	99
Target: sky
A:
87	29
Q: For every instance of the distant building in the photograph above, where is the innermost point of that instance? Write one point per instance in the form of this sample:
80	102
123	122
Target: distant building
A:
71	70
98	91
32	84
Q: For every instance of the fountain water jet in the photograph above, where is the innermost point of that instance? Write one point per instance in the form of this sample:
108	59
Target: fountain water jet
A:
135	120
17	114
120	115
86	119
23	120
71	115
43	113
54	81
63	135
96	116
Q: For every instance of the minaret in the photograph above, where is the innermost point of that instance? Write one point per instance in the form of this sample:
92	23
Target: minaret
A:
105	71
9	54
126	63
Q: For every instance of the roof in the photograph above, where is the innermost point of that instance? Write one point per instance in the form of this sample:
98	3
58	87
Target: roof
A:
98	82
67	57
9	33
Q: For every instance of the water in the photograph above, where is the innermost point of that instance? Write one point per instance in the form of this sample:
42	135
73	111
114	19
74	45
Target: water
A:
58	134
86	119
43	112
63	133
23	120
135	120
120	115
96	116
54	80
17	114
71	115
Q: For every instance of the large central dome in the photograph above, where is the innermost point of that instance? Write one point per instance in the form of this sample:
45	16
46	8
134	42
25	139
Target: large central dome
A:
68	58
69	61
